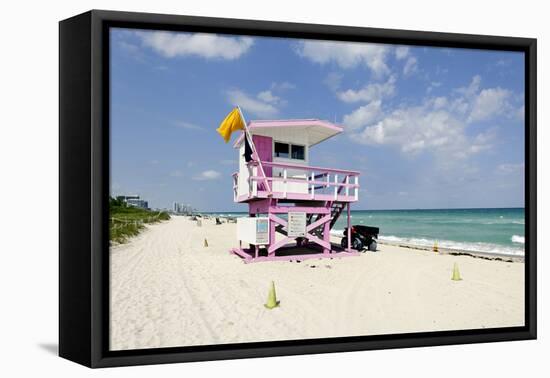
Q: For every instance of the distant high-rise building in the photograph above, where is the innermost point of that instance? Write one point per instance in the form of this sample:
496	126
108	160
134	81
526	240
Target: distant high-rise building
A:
135	201
181	208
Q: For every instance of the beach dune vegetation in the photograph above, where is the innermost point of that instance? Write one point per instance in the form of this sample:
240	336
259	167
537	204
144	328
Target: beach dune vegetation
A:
128	221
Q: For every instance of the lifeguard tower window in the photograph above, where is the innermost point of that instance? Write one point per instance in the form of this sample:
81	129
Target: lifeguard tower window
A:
282	150
290	151
297	152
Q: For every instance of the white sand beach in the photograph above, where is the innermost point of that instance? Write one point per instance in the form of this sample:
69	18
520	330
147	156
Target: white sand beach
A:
167	289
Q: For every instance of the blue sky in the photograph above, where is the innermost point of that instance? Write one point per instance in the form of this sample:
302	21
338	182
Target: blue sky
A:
427	127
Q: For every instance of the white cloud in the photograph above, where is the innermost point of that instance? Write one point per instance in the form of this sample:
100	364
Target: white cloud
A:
520	113
187	125
433	84
488	103
510	168
363	115
128	46
503	62
401	52
333	80
415	129
437	125
472	88
207	175
346	54
131	48
269	97
460	105
421	129
438	102
371	92
483	141
210	46
411	63
282	86
410	66
176	173
265	103
259	105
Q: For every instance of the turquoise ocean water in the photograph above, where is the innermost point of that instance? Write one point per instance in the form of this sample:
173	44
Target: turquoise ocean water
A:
485	230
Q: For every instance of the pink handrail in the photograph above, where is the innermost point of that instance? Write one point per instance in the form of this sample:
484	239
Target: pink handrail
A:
305	181
306	167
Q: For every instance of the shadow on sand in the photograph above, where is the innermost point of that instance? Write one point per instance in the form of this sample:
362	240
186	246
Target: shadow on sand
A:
51	348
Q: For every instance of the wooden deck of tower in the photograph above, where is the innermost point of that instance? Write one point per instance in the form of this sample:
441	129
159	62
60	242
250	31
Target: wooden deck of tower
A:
287	196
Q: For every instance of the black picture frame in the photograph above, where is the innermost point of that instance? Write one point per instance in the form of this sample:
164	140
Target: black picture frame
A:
84	188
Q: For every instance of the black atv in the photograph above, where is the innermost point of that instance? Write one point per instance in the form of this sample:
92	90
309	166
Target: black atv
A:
361	237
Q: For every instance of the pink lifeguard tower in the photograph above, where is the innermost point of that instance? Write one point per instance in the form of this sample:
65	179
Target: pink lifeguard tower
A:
292	206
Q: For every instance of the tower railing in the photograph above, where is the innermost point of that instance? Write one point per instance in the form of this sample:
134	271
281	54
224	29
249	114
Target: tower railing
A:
301	182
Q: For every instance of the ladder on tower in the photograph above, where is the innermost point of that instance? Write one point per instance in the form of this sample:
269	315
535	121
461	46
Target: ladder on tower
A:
335	211
337	207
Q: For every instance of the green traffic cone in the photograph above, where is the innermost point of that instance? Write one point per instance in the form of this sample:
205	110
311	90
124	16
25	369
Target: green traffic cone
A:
272	301
456	273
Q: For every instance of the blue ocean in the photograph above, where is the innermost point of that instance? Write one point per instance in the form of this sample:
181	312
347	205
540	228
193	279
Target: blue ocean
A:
500	231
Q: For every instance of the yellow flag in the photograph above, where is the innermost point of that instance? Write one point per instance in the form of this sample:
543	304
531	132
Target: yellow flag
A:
232	122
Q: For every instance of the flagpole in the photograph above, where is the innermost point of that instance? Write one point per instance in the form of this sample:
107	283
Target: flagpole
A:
248	136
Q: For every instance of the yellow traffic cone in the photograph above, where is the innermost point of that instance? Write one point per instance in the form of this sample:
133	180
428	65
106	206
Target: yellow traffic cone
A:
456	273
205	242
436	249
272	301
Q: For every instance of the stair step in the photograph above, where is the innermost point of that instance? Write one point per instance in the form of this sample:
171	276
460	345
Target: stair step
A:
336	211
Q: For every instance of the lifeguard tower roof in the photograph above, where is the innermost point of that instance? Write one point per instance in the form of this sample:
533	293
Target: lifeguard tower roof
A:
314	130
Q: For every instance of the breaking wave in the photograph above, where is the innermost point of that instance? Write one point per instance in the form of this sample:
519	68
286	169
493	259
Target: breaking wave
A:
462	246
518	239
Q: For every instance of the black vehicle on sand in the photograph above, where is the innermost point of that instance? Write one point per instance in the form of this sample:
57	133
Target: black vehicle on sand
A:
361	237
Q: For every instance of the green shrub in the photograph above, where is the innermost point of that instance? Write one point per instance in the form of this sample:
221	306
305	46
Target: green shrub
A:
127	221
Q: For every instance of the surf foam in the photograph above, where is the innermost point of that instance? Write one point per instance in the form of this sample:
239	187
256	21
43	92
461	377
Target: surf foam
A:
462	246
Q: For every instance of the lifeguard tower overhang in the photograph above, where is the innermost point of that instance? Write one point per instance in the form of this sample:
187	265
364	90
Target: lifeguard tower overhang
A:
292	205
311	131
